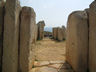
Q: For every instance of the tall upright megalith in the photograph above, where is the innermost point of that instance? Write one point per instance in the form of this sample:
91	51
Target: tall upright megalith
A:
36	32
64	32
92	37
59	34
11	34
1	31
77	41
27	39
55	32
41	25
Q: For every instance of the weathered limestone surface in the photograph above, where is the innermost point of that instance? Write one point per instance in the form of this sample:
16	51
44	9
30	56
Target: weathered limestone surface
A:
59	34
77	41
11	31
55	33
92	37
41	25
64	32
1	32
35	33
27	39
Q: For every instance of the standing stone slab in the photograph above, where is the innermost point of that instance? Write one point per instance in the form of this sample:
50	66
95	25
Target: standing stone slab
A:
41	25
77	41
55	33
1	31
27	39
59	34
92	37
11	31
36	32
64	32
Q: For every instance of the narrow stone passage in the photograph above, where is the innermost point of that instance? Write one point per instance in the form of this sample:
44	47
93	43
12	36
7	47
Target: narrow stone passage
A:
50	57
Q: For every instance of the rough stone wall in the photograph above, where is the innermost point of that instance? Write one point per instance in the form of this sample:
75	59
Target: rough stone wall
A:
11	31
77	41
27	39
41	25
1	31
92	37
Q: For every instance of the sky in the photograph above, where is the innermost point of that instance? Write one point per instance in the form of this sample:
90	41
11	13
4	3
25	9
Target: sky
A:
55	12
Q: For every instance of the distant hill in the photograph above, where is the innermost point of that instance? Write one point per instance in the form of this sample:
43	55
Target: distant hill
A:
49	29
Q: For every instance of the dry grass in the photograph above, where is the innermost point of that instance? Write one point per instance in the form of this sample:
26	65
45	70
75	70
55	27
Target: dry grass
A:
50	50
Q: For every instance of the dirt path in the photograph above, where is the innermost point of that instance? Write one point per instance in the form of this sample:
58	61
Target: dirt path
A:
50	57
48	49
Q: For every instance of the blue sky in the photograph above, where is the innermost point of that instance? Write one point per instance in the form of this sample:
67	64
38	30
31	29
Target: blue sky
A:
55	12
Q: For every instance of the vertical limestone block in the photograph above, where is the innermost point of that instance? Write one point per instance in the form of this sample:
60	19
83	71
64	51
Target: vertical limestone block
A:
55	33
11	31
92	37
59	34
27	39
1	31
64	32
77	41
36	32
41	25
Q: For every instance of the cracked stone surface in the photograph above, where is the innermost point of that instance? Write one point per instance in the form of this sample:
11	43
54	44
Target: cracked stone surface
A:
57	66
41	63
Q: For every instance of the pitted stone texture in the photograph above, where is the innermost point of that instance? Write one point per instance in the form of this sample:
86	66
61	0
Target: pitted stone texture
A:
64	32
92	37
55	33
1	31
60	34
36	32
27	39
41	25
77	41
11	31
